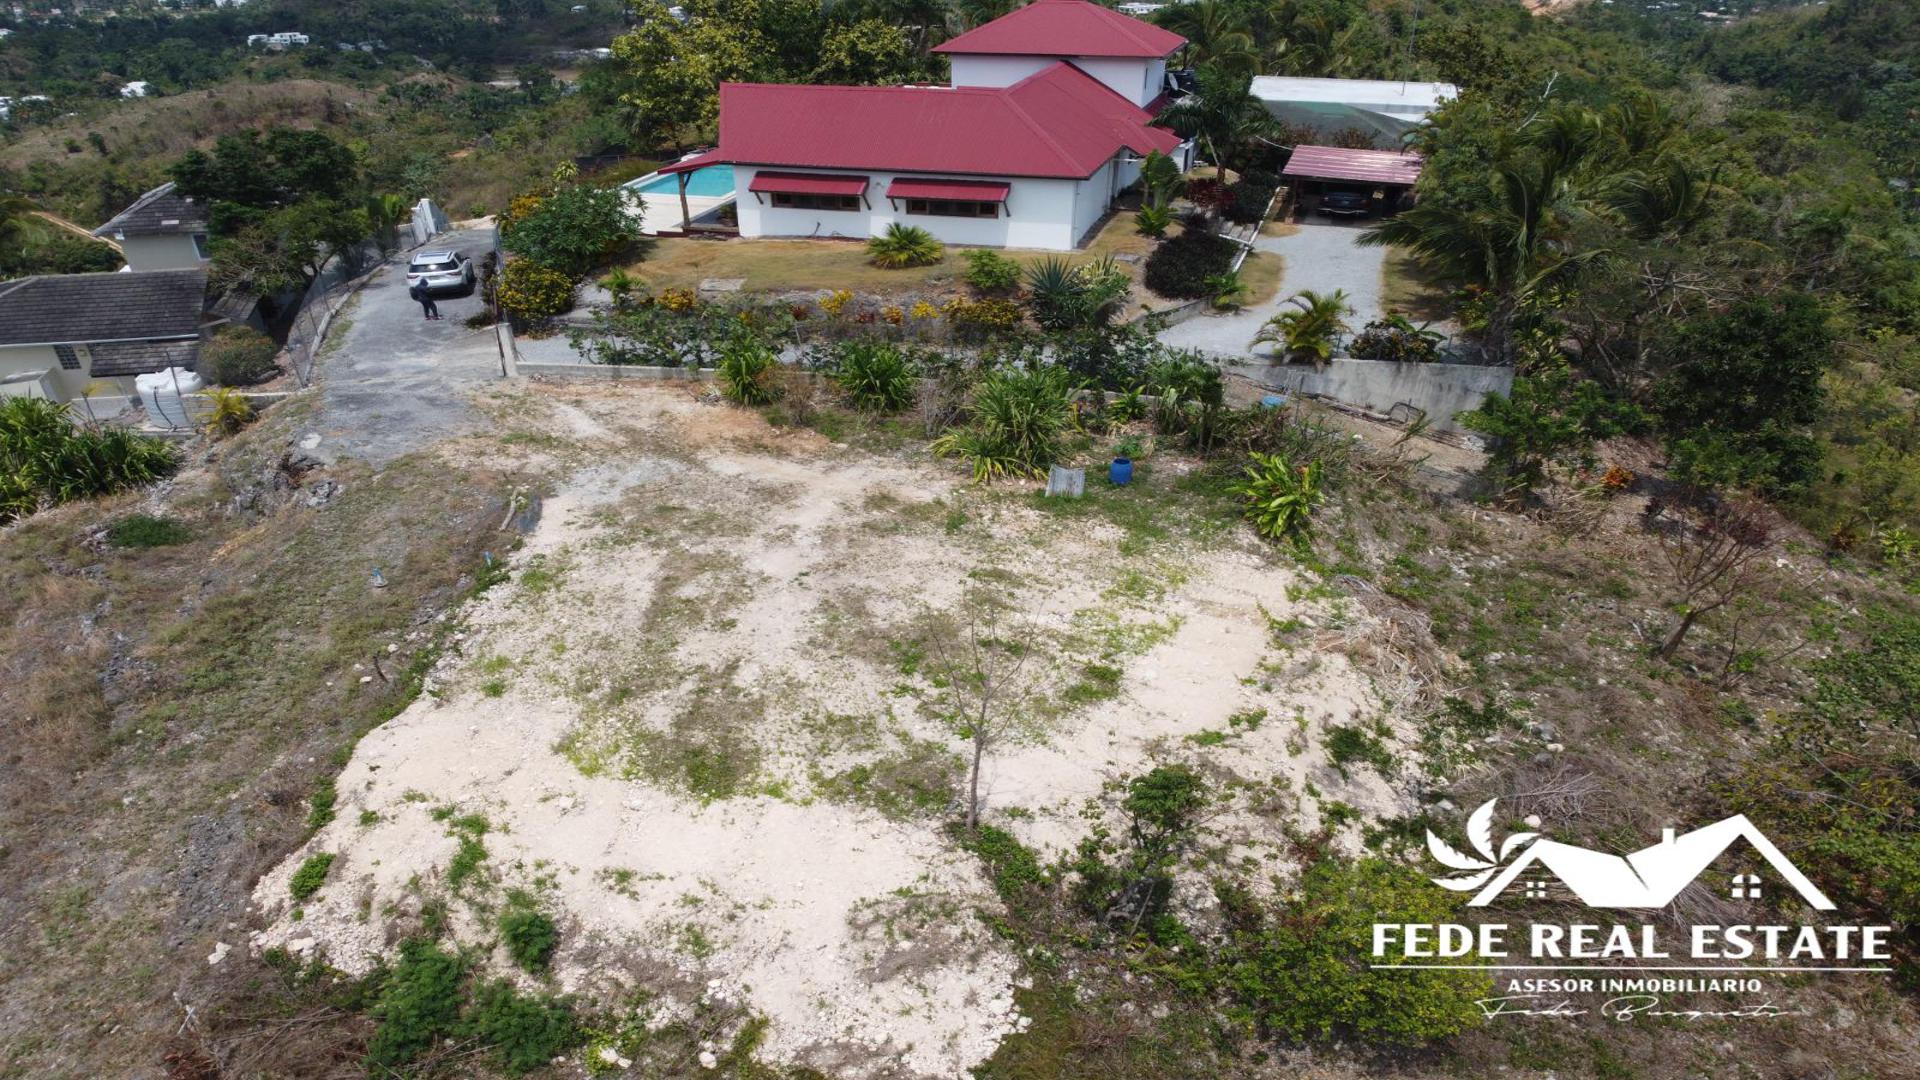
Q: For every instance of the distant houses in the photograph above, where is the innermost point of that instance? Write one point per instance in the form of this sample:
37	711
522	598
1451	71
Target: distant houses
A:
286	39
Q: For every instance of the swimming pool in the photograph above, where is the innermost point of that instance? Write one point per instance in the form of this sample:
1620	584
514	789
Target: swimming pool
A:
712	182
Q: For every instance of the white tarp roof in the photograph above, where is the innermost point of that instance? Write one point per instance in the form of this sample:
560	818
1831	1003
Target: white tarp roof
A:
1397	98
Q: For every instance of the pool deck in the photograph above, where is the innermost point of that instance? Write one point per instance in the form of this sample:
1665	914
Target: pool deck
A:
660	211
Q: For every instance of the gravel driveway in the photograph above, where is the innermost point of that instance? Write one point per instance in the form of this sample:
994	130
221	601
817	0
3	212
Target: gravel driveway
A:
391	382
1323	257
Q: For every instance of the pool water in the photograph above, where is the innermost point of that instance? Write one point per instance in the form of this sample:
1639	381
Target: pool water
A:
712	182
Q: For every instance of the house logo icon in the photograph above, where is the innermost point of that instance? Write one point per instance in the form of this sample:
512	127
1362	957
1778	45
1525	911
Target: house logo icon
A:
1648	878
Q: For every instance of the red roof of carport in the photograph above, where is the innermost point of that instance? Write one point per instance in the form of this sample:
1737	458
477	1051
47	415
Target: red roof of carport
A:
1065	28
1358	166
974	190
792	183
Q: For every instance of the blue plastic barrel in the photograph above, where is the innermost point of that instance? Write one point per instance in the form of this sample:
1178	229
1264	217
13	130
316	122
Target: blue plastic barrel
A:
1120	472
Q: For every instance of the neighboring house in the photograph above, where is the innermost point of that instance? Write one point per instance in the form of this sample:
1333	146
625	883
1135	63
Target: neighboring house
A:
1385	109
138	88
1049	113
60	332
162	230
1652	877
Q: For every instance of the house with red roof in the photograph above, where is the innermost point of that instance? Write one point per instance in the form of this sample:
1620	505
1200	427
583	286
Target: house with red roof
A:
1049	112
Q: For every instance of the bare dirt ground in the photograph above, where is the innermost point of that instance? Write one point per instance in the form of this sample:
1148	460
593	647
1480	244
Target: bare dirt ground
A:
699	725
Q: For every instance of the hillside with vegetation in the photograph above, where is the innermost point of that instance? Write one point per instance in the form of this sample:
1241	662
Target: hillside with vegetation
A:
775	725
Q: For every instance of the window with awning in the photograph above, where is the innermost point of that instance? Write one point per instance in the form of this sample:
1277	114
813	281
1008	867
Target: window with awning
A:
950	198
809	191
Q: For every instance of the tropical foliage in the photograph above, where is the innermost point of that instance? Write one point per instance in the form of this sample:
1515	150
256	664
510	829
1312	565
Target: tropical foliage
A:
1280	497
1015	424
46	458
1180	268
1308	332
903	246
748	369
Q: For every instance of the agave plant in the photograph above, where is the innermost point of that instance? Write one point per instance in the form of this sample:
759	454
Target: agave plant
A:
902	246
1064	296
1308	330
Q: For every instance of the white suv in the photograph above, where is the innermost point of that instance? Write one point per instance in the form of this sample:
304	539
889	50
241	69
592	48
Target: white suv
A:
441	271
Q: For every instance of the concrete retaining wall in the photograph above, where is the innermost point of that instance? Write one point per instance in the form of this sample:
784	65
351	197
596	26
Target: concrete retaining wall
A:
1442	391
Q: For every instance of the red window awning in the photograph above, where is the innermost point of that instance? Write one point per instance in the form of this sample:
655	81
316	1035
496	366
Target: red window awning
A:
792	183
962	190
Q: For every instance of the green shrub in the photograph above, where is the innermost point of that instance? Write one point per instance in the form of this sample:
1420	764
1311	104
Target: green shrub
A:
1280	497
311	875
419	1004
1015	870
46	459
1246	202
1347	744
1019	418
320	805
574	230
229	411
748	370
238	356
530	937
525	1031
531	292
875	375
1300	970
1395	338
1179	268
1153	220
991	272
903	246
147	531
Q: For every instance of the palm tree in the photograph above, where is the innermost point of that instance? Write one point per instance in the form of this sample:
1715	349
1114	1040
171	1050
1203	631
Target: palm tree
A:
14	211
1217	33
1222	113
1308	330
1545	179
1311	45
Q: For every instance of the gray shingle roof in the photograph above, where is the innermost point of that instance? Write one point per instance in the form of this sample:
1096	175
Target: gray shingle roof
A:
140	357
159	212
61	309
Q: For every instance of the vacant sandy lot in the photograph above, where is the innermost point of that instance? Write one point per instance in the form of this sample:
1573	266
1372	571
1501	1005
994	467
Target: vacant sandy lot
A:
701	725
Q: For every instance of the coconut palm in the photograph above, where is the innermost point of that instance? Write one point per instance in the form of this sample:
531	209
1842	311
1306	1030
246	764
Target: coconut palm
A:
1217	33
1310	328
1222	113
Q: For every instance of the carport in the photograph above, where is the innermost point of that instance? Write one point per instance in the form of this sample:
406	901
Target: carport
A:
1384	177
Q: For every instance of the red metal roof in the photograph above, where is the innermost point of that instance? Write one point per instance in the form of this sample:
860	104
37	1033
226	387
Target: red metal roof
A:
972	190
1359	166
791	183
690	164
1065	28
1058	122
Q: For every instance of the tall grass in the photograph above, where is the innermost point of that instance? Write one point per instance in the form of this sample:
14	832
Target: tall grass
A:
47	459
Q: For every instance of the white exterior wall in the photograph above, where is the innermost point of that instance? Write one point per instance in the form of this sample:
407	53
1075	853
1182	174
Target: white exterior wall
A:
15	359
1038	213
991	70
1092	196
161	253
1139	81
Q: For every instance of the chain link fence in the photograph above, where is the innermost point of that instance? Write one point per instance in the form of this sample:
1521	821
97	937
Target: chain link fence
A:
322	299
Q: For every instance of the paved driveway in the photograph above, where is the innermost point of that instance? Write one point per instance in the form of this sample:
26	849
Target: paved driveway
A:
1323	257
391	382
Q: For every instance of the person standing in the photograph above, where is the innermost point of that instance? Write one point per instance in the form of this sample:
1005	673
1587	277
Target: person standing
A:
421	293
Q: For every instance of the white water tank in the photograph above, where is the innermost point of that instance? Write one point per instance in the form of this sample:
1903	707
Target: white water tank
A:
164	393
